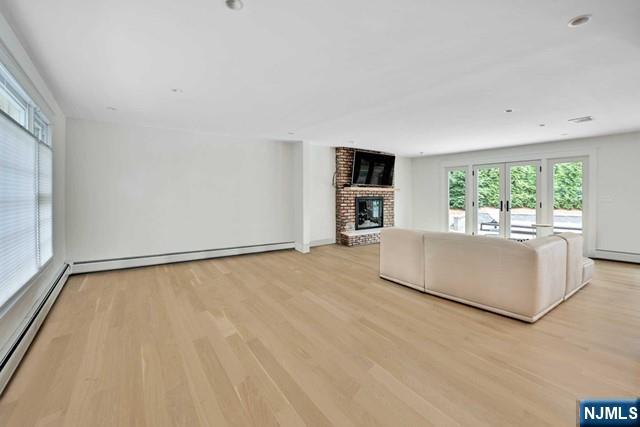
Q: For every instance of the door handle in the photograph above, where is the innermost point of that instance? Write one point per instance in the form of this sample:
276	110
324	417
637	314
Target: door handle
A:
501	205
507	206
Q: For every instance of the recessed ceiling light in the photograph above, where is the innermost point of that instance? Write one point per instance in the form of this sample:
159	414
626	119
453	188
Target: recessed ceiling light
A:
176	90
542	125
112	109
564	134
234	4
581	119
291	133
579	20
508	110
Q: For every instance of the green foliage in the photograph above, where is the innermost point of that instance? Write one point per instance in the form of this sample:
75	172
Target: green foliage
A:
489	187
457	185
523	187
567	185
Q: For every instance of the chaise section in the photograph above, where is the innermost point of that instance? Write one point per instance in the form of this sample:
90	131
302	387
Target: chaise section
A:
579	268
402	257
523	281
550	277
587	270
520	280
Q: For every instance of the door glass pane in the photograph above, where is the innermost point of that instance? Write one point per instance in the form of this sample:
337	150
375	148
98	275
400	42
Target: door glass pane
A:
489	201
567	197
457	200
522	203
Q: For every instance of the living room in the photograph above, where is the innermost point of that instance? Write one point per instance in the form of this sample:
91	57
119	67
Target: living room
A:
218	212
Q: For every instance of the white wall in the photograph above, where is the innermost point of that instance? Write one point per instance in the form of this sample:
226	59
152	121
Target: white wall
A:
403	182
614	198
301	180
323	195
15	314
138	191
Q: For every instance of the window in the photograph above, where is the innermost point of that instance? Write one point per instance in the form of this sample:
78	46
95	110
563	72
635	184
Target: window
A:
518	200
567	196
12	104
457	196
25	188
40	127
489	204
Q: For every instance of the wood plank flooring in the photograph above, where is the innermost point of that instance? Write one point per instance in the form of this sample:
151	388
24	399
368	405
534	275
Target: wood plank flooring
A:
288	339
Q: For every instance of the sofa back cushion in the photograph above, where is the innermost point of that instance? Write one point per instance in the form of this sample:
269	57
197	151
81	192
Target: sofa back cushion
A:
402	256
490	271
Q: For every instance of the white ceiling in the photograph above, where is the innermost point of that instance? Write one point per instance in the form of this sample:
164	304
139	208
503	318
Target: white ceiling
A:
406	76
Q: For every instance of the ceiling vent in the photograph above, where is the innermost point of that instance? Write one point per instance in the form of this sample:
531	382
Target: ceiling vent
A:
581	119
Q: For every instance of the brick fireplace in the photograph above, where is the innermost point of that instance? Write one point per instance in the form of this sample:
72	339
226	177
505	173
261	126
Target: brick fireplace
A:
346	195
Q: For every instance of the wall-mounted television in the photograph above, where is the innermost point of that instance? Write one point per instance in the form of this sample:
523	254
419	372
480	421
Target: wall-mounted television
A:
370	168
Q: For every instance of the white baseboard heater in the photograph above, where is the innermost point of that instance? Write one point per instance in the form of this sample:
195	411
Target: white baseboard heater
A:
19	347
168	258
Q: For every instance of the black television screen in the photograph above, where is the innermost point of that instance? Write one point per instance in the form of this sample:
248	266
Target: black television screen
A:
372	169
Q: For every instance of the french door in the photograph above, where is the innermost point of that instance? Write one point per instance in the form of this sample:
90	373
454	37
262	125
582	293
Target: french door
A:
489	202
507	199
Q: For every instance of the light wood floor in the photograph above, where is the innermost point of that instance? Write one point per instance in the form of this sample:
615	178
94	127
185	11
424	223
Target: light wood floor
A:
317	339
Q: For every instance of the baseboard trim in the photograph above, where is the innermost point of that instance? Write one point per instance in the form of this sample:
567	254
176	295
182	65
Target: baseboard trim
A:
323	242
10	363
616	256
144	261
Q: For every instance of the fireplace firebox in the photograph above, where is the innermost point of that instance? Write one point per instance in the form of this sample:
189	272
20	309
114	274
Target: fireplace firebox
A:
369	212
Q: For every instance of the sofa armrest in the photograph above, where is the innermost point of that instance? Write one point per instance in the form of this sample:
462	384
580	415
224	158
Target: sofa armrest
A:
402	256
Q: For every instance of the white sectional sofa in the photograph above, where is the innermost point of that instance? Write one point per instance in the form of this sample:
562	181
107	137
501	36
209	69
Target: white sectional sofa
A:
520	280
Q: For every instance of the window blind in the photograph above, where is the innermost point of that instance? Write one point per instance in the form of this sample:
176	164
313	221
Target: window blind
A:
45	202
25	206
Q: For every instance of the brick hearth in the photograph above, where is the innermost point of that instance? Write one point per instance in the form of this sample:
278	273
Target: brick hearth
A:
346	203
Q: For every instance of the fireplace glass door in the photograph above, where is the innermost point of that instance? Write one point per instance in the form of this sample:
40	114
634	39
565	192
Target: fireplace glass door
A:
369	212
